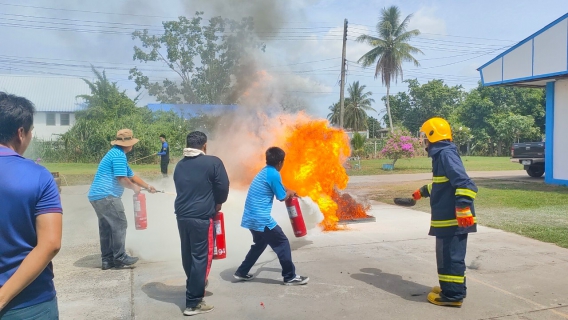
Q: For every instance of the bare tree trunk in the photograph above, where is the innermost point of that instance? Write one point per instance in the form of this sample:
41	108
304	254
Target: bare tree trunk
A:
388	108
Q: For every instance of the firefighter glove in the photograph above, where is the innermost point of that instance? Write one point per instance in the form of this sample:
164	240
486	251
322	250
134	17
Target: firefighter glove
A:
417	195
464	217
420	193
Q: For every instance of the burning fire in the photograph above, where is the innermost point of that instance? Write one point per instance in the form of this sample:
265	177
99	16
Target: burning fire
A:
315	152
313	167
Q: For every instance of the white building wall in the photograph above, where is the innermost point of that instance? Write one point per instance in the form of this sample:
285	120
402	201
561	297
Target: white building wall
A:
45	132
518	63
493	72
560	156
550	50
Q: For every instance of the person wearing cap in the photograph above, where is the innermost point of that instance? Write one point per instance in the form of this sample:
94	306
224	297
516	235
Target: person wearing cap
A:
451	196
30	220
113	175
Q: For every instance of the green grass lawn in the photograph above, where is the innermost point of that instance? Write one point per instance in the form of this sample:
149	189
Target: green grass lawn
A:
531	209
82	173
423	164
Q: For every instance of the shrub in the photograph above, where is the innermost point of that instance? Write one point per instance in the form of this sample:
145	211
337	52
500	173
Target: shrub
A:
400	145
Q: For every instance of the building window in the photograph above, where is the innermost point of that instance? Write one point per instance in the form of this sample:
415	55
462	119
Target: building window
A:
64	119
50	119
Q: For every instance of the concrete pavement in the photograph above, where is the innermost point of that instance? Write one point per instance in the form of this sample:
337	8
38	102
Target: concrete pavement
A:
380	270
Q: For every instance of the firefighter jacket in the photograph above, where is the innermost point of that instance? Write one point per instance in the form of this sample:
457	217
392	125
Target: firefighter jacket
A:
451	188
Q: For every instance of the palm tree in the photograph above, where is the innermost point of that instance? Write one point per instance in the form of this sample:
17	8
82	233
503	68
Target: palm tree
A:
357	105
390	49
333	116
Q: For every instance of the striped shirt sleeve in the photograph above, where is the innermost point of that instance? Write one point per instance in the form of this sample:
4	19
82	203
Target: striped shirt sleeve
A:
120	167
275	182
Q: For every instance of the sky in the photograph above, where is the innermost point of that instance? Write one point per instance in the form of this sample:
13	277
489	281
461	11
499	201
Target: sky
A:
303	39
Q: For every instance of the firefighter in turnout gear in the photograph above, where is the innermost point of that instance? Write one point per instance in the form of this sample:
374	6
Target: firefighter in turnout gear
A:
451	196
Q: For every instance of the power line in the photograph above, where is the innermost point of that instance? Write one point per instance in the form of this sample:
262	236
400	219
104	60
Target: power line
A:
445	35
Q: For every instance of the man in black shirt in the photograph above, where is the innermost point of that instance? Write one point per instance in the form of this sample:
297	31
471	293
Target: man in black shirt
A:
202	186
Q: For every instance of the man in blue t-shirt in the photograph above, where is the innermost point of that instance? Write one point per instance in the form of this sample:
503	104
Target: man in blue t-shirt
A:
265	231
112	176
30	220
164	156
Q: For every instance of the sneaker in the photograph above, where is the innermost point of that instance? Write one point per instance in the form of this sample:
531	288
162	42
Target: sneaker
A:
438	300
248	277
199	309
107	265
298	280
438	290
125	262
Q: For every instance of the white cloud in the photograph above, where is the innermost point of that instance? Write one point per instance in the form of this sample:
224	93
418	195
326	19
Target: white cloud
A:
426	21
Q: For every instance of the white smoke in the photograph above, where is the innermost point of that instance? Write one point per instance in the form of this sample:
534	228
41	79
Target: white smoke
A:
160	241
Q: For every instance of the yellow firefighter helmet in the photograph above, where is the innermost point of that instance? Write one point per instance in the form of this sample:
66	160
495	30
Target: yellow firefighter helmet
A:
437	129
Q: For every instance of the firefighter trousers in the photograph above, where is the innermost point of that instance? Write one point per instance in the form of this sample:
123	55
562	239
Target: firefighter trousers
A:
450	257
196	237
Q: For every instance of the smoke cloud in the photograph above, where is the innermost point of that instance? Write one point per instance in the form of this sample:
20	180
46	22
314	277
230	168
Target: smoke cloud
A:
160	241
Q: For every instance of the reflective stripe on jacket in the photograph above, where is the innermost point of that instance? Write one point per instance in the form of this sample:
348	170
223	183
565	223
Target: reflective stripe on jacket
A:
451	188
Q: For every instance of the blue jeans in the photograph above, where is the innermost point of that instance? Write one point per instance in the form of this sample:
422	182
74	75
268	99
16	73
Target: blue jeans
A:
112	228
278	241
42	311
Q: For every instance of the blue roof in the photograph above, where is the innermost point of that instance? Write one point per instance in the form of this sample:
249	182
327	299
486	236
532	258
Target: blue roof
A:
192	110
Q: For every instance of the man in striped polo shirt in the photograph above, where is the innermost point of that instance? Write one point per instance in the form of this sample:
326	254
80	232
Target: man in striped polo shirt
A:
113	175
265	231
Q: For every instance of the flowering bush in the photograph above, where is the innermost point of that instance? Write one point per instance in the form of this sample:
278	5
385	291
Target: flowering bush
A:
400	145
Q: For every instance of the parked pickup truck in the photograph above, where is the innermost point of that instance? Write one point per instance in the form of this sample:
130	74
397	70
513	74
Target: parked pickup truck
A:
531	156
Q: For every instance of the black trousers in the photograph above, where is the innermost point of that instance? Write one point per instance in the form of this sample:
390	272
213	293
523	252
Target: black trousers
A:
164	165
196	236
450	257
278	241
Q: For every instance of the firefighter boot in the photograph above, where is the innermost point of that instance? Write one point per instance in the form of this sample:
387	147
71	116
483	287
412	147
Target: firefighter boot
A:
437	290
439	300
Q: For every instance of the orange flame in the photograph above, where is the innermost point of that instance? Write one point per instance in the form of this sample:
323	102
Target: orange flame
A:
349	208
313	166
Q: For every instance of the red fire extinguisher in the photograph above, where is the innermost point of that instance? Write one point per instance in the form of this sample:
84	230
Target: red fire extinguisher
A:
140	217
296	218
220	247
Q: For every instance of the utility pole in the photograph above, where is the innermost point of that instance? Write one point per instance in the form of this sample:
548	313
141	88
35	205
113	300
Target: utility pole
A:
341	93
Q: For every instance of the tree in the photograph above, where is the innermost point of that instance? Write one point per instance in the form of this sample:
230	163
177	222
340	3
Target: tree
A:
358	103
490	113
205	59
358	144
422	102
333	116
390	49
374	126
510	128
106	101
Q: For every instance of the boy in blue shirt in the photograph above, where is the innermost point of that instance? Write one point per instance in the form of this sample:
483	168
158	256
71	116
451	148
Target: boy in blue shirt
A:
265	231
